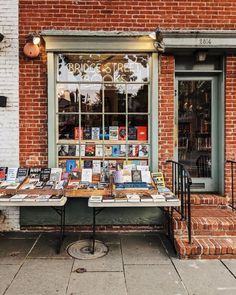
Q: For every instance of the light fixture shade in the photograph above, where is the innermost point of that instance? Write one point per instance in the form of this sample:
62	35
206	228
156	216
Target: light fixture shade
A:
31	50
36	40
201	55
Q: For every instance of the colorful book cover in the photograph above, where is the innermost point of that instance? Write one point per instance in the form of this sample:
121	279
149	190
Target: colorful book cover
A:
146	176
87	175
78	133
104	135
22	173
135	150
77	150
96	166
143	150
55	175
113	132
122	150
132	133
87	133
63	150
117	176
136	176
70	165
3	173
88	164
108	150
122	133
72	150
45	174
62	165
99	150
95	133
112	165
90	150
82	150
11	174
141	133
115	151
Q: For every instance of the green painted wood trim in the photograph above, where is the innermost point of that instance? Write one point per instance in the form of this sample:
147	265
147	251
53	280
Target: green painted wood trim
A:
51	111
154	113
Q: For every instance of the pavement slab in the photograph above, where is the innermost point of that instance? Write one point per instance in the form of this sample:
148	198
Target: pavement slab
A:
42	277
91	283
111	262
7	273
47	244
153	279
209	277
14	251
231	264
107	238
143	249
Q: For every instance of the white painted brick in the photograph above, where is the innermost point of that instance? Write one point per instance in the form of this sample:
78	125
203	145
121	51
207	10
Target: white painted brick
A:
9	116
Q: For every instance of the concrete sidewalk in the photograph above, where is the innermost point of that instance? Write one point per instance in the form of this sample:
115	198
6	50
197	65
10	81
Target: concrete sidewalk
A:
136	264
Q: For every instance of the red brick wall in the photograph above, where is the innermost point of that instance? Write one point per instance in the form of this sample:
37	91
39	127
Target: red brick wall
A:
166	114
132	15
230	118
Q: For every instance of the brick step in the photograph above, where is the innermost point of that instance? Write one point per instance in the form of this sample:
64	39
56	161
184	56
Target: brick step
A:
206	247
208	199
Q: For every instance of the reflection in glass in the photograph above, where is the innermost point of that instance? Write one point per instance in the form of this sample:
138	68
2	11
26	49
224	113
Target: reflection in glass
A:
67	125
137	98
140	123
114	97
194	125
67	96
92	126
91	97
103	67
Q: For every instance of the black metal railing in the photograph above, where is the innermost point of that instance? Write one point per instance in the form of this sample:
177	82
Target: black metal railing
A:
232	166
181	183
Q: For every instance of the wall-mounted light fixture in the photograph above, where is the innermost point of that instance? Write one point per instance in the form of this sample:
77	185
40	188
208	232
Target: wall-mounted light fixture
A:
31	48
3	101
1	37
200	55
158	37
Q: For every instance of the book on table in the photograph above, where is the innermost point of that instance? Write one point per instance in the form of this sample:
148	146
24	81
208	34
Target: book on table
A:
95	199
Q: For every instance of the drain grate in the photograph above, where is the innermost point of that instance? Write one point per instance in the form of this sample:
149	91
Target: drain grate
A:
82	249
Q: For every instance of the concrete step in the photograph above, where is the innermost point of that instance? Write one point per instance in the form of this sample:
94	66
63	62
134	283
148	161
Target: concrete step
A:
206	247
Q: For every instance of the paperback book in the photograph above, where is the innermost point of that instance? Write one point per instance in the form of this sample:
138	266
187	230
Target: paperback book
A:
113	132
122	133
63	150
95	133
72	150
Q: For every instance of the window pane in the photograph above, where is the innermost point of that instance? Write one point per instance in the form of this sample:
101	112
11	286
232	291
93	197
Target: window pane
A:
91	97
68	98
91	126
67	125
137	98
114	97
140	123
103	67
195	115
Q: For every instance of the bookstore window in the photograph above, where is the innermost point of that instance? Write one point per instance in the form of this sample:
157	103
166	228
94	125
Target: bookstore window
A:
103	110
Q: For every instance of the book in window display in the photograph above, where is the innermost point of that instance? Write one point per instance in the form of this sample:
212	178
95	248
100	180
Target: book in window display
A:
77	151
96	166
122	150
143	150
104	135
108	150
78	133
90	150
112	165
113	132
3	173
115	151
70	165
62	165
132	133
136	176
86	175
119	164
99	150
63	150
122	133
45	175
87	133
72	150
88	164
95	133
141	133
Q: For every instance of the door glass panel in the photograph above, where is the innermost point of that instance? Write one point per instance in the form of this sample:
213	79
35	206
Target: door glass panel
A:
194	126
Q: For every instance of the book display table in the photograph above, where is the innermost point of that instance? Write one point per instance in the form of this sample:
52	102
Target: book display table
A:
99	206
58	205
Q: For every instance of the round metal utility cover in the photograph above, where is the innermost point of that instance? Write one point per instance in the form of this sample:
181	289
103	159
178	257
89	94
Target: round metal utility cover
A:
82	249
